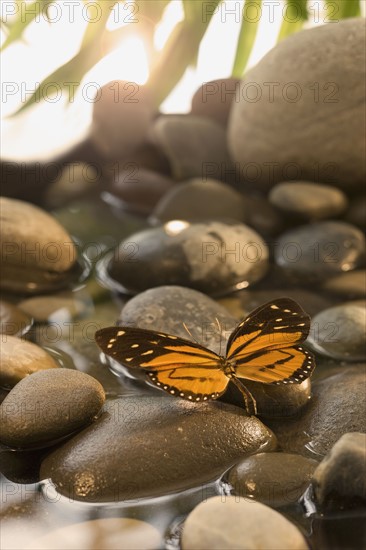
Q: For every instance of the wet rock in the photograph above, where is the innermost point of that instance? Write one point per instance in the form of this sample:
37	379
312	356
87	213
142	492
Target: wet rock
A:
13	321
212	257
214	99
272	400
76	180
339	332
165	445
122	115
198	199
20	358
339	481
351	284
137	189
275	479
308	200
36	252
65	305
337	407
49	405
356	213
320	250
289	128
224	523
262	216
195	146
102	533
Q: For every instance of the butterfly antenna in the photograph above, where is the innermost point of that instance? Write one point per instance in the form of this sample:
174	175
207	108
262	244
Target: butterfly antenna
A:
250	402
190	334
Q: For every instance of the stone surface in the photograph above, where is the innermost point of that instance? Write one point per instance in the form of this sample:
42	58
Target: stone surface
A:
351	284
224	523
195	146
63	304
275	479
103	533
143	447
35	249
308	200
76	180
122	115
137	189
356	213
337	407
340	479
262	216
212	257
199	199
19	358
320	250
293	103
49	405
214	99
339	332
272	400
13	321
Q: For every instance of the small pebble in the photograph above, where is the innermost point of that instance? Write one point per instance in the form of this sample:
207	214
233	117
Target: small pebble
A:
339	332
101	534
275	479
195	146
224	523
20	358
212	257
351	284
339	481
197	199
76	180
311	201
47	406
214	99
165	445
13	321
320	250
63	305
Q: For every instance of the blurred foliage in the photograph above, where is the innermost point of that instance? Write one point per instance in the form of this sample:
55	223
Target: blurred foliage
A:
168	66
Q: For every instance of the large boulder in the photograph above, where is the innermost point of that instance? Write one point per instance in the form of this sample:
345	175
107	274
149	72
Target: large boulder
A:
300	112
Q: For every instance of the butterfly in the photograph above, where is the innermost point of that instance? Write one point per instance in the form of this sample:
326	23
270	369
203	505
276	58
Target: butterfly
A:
264	347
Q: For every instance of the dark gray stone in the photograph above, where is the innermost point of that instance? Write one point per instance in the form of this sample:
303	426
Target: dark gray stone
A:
212	257
276	479
13	321
200	199
320	250
337	407
339	332
308	200
340	479
49	405
294	102
20	358
195	146
144	447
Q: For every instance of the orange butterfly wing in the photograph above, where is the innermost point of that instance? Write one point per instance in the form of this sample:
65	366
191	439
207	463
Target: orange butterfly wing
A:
175	365
264	347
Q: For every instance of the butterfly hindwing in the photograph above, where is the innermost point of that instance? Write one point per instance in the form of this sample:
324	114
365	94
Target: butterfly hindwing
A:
264	347
176	365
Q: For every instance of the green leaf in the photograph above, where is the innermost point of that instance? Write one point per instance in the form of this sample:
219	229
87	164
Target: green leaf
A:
340	9
294	16
26	15
248	32
180	50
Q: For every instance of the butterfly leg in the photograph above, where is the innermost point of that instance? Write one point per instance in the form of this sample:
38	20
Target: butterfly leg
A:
250	402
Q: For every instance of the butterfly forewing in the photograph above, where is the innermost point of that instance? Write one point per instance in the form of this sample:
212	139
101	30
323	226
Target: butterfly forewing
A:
264	347
176	365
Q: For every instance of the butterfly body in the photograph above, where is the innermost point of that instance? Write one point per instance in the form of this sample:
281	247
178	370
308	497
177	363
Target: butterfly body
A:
263	348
